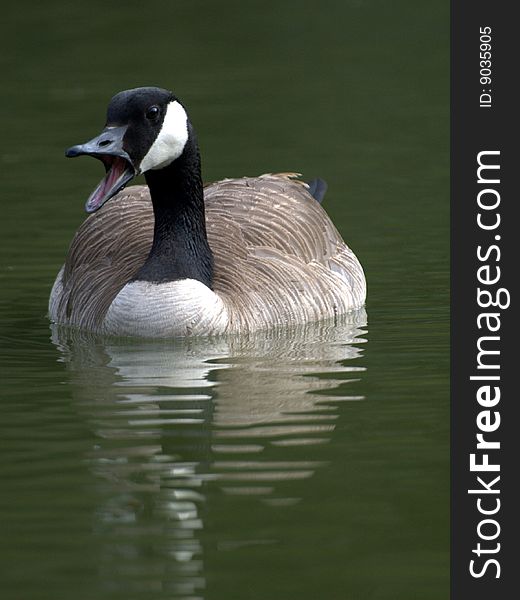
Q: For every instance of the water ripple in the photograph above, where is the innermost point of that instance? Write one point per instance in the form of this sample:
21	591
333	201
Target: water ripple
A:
174	423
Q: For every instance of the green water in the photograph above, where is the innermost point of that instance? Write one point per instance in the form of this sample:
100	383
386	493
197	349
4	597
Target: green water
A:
304	465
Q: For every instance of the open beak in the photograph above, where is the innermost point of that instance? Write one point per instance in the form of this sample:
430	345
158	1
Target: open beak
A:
108	148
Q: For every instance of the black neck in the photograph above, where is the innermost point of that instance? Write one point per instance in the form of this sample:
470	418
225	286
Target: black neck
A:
180	248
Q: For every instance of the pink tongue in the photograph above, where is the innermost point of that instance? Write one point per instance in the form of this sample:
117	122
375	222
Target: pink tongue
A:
115	173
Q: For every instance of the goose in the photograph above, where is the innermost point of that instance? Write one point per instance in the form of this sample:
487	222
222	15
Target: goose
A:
176	258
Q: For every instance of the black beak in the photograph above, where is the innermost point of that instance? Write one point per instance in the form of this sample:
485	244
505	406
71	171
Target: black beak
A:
107	147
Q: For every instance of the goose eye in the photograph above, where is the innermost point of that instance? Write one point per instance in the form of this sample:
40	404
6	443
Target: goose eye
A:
152	113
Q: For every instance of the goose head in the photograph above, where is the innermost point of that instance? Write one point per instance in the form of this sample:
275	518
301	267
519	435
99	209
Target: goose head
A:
146	129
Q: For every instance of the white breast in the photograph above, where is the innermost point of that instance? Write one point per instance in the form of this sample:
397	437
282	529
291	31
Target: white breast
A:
177	308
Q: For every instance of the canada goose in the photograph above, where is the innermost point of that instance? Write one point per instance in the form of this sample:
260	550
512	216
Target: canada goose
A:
173	258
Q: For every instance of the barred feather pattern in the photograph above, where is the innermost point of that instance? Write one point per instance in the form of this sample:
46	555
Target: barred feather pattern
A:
279	261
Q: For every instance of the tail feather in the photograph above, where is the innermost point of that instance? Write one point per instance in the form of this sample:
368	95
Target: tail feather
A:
317	188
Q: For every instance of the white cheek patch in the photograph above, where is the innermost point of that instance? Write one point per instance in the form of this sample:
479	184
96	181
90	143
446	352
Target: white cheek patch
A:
171	140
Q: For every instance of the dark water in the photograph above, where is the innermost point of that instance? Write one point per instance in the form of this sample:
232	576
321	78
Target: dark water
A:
312	464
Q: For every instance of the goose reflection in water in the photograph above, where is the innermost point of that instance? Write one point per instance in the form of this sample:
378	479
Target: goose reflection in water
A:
177	424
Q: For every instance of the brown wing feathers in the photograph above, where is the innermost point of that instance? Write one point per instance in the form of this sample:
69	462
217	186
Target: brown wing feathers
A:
274	248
